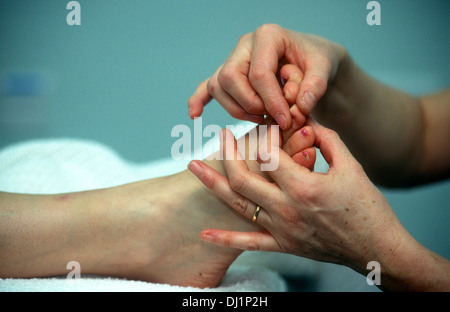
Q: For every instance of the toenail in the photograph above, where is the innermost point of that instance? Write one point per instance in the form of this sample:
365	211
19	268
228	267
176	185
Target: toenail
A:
306	155
304	132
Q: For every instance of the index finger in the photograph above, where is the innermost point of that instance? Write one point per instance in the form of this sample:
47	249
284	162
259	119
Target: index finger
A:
241	179
267	52
198	100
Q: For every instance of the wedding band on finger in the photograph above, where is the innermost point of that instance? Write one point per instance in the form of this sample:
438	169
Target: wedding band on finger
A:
255	215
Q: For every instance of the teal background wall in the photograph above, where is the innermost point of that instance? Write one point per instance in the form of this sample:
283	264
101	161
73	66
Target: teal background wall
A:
123	77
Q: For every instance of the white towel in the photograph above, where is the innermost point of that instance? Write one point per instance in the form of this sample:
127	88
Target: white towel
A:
238	278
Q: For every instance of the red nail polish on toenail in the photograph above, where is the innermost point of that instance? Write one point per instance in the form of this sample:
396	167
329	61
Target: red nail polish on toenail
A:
304	132
306	155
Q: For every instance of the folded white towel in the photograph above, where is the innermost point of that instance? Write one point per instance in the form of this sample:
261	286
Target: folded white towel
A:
238	278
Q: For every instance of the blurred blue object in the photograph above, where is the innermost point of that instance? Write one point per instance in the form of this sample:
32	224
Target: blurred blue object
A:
25	84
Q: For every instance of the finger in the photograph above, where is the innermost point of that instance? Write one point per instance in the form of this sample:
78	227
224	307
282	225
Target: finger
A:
198	100
251	241
220	185
247	183
334	151
299	141
298	120
314	84
286	173
267	50
233	77
229	103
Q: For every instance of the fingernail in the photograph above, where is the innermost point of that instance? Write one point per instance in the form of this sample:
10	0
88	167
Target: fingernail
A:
281	120
196	169
206	237
309	101
254	118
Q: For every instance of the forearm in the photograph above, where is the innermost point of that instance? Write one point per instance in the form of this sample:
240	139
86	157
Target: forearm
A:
435	161
412	267
381	126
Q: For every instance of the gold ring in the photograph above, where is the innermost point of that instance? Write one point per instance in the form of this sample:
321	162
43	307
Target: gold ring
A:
255	215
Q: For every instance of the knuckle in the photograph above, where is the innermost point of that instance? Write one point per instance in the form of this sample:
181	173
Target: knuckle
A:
254	106
303	193
331	134
257	74
211	87
226	76
240	205
290	216
226	241
272	103
252	245
268	28
318	84
238	183
245	37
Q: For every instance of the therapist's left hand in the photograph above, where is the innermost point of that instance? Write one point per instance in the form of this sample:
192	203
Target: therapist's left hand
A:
338	217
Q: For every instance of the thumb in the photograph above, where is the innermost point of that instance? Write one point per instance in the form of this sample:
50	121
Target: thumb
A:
332	148
313	85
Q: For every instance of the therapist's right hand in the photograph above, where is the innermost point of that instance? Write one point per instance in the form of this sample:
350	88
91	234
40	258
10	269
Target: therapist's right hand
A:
338	217
247	84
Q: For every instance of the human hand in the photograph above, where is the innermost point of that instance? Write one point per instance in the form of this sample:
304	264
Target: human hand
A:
338	217
247	84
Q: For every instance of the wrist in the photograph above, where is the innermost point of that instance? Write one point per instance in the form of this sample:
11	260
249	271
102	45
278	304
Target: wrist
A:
406	265
339	103
412	267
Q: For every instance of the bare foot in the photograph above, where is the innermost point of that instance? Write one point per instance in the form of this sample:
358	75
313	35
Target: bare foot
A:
169	215
169	245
